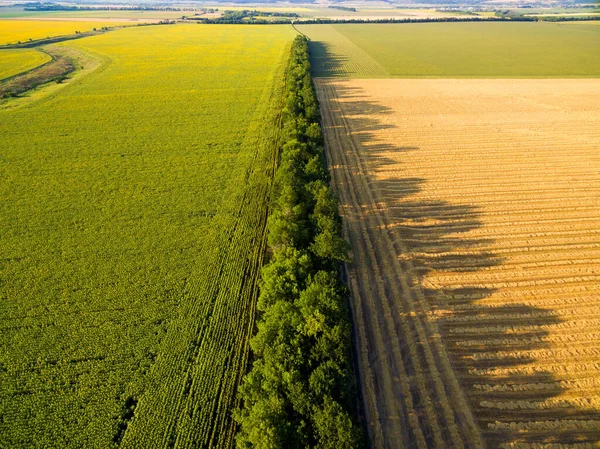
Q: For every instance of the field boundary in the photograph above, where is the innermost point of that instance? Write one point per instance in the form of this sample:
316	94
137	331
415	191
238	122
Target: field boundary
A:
301	375
56	69
9	78
83	63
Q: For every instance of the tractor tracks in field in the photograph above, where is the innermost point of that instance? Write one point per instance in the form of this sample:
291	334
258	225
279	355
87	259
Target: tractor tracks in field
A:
412	396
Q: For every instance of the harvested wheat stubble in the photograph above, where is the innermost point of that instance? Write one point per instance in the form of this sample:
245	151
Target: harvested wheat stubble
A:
473	209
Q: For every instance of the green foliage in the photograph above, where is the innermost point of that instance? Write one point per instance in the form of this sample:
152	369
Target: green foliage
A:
249	17
284	277
334	428
300	391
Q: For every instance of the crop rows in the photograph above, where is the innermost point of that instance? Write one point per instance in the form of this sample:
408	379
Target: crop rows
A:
455	50
333	54
133	225
485	239
412	396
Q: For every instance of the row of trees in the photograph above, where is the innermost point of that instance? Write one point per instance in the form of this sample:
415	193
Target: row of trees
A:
236	17
300	391
41	6
249	16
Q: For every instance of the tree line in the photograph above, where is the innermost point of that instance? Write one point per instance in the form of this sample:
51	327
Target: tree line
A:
248	16
238	19
301	390
41	6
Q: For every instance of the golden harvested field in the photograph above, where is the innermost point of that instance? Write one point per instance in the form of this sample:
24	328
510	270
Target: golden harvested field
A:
473	211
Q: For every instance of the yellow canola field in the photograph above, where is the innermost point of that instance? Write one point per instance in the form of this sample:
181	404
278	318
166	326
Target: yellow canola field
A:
15	61
13	31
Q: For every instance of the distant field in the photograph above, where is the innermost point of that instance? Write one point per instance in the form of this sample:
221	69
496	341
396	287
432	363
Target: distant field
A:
303	11
472	208
132	231
575	14
374	13
333	54
14	61
556	11
363	13
459	50
13	31
20	13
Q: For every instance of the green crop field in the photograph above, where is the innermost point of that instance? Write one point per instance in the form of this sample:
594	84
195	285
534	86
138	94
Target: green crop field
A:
455	50
132	229
333	54
14	61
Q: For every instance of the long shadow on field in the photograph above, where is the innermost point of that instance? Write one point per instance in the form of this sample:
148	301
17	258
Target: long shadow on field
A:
492	347
324	62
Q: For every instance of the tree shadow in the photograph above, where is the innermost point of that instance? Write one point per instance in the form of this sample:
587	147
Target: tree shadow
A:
491	338
325	63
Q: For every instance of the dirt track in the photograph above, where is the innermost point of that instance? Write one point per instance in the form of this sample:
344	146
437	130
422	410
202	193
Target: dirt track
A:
473	211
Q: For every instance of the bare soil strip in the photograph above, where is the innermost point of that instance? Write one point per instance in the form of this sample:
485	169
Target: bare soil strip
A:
68	65
473	210
55	70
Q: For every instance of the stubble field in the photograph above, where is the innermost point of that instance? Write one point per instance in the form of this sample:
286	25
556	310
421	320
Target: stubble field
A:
472	207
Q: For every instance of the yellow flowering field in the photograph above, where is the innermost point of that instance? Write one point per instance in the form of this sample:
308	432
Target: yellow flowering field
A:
14	61
132	219
13	31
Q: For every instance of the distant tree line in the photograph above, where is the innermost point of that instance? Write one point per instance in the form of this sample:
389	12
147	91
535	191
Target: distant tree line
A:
517	16
41	6
415	20
343	8
253	20
248	16
566	18
467	18
300	392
